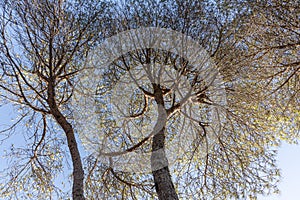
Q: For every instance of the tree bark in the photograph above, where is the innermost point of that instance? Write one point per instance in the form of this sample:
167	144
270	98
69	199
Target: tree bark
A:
159	163
78	172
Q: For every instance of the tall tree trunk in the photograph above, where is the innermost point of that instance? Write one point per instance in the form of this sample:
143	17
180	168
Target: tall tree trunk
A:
78	172
159	163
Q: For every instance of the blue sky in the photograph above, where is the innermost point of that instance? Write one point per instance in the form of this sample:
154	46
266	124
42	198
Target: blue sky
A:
288	162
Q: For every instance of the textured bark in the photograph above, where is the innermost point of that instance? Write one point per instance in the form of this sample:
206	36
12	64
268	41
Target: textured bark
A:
159	163
162	178
78	173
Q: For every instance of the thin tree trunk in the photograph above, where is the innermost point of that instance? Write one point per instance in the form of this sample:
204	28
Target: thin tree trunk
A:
159	163
78	172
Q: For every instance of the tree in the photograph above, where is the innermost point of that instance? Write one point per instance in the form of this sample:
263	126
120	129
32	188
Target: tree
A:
241	163
42	46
